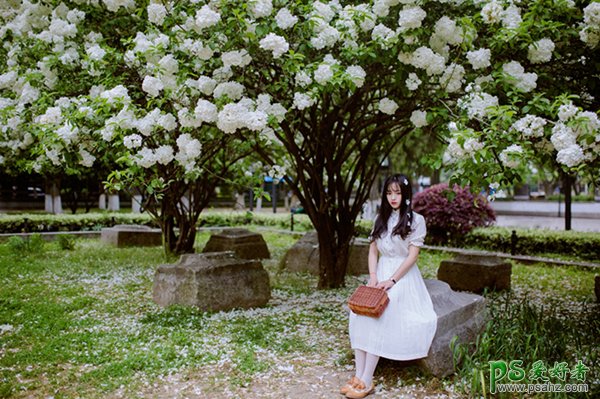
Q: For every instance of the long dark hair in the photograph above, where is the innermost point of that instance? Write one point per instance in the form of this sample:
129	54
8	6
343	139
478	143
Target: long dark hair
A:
403	228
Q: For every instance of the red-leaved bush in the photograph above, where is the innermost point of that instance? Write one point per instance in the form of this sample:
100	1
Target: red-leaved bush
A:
451	213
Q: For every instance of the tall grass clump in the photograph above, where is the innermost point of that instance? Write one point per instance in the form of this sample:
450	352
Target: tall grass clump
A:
34	244
520	329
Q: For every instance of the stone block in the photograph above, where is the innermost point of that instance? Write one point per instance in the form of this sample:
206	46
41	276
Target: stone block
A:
212	282
461	315
470	272
131	235
303	256
245	244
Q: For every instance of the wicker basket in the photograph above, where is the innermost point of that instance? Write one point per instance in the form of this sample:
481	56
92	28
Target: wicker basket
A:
368	301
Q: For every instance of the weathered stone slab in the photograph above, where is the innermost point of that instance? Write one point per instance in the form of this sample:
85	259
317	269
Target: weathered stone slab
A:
597	288
245	244
131	235
303	256
212	282
475	273
461	315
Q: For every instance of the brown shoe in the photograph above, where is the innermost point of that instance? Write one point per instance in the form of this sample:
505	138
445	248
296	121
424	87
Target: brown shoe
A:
353	381
360	391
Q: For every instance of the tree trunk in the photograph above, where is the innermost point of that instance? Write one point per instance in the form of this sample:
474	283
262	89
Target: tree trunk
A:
333	260
567	187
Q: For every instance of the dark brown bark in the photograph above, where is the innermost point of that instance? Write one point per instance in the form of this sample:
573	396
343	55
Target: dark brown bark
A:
567	181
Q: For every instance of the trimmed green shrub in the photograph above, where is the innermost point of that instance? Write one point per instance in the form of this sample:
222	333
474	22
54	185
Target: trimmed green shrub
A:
451	213
34	244
31	223
28	223
66	242
585	245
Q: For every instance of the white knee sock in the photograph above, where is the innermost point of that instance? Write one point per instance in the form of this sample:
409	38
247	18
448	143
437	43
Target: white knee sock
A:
370	364
359	361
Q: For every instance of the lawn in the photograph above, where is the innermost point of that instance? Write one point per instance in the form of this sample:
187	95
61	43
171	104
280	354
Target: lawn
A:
82	323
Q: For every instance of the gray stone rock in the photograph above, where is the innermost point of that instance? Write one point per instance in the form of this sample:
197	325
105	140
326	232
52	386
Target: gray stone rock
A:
597	288
461	315
131	235
212	282
303	256
245	244
470	272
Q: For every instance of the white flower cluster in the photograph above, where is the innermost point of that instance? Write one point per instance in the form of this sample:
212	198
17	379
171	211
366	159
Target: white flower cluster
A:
260	8
285	19
275	43
197	48
424	58
493	12
207	17
148	157
132	141
241	115
67	132
446	32
419	118
114	5
302	101
530	126
327	37
205	111
153	120
411	17
511	17
540	51
239	58
357	75
303	79
590	32
323	74
87	159
477	103
453	78
521	80
479	59
413	82
52	116
156	13
567	111
383	35
233	90
388	106
152	86
511	156
117	94
189	150
456	152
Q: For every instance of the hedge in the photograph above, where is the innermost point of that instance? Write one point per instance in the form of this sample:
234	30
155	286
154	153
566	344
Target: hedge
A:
585	245
529	241
33	223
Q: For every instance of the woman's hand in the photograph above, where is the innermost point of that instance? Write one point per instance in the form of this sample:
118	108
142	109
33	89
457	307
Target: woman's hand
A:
386	284
372	281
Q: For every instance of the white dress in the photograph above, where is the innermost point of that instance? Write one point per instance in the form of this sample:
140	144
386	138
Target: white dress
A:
406	328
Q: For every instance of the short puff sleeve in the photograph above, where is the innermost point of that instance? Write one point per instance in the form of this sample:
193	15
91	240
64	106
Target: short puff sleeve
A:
419	231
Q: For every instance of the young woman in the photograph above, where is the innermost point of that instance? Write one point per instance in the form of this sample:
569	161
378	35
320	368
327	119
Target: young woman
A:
406	328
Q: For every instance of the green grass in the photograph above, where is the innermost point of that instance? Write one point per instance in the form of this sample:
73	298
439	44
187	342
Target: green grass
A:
82	323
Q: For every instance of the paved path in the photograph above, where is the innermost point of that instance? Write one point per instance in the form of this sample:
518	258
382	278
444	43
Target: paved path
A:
547	222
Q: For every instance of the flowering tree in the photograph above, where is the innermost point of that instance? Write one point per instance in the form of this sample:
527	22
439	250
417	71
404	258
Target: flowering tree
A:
336	85
538	64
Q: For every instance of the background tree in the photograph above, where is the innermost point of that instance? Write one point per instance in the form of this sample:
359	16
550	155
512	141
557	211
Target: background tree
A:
542	58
